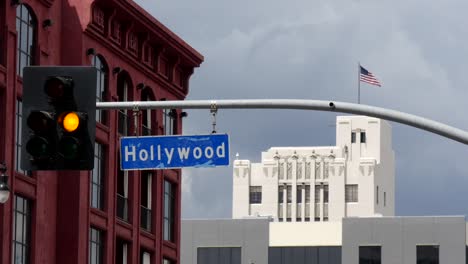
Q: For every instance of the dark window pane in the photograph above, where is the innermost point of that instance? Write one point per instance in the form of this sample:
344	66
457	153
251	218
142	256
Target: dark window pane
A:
323	254
21	230
101	86
427	254
299	193
280	194
255	196
95	246
97	176
218	255
325	193
169	120
363	137
370	255
146	197
353	137
351	193
169	203
25	28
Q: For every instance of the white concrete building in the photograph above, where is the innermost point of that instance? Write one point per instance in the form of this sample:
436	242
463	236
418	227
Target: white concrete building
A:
355	178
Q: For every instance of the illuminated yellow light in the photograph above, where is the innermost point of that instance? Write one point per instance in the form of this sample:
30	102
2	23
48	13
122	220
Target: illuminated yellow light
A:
71	121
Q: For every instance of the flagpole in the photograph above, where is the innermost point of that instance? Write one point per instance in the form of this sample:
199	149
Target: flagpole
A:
359	83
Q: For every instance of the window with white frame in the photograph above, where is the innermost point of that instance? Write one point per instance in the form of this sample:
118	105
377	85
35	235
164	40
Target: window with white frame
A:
146	197
97	178
169	210
21	230
101	86
351	193
122	94
147	115
26	37
169	121
18	138
122	195
96	246
145	257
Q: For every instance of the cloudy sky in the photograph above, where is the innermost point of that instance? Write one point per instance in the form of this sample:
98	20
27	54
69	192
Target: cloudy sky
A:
309	49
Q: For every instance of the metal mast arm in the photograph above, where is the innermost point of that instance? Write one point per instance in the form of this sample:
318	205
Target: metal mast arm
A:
331	106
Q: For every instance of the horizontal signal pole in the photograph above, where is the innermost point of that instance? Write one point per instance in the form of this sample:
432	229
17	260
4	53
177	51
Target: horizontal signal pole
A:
292	104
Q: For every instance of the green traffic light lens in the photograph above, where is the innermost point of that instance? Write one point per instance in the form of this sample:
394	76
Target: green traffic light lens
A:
69	147
38	147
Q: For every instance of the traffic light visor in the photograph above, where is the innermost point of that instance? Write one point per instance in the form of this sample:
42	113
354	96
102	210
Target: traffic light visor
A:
70	121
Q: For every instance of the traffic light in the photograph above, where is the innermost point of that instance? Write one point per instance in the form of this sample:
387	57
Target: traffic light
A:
59	118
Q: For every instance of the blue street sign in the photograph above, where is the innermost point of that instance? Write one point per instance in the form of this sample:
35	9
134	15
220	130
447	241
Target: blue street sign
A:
164	152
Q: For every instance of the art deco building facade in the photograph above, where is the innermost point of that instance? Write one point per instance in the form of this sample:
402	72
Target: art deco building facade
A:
318	184
106	215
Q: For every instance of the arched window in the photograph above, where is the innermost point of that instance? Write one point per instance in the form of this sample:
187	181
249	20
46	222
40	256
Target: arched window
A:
124	85
101	86
170	121
148	114
26	30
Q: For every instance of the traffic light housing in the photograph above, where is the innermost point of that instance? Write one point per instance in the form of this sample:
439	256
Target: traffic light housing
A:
59	118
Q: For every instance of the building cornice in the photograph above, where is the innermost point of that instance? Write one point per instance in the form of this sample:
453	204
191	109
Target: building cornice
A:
157	78
156	27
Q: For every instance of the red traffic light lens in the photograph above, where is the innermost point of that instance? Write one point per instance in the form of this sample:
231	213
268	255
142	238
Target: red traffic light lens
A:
40	121
57	87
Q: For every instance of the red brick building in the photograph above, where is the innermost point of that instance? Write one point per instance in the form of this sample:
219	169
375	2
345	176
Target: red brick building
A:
106	215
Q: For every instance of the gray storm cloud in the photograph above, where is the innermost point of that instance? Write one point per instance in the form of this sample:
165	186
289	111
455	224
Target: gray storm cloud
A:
309	50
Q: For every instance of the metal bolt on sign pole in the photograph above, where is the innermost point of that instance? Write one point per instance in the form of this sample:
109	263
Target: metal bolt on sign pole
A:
295	104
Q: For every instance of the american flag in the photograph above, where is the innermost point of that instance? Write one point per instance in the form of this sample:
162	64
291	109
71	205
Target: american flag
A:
367	77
